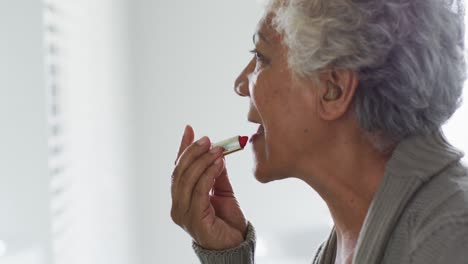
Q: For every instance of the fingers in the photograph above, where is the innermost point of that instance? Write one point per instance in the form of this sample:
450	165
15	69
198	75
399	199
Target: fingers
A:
188	156
187	139
222	186
200	201
192	175
193	161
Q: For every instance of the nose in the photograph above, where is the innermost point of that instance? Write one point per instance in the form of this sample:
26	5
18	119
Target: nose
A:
241	85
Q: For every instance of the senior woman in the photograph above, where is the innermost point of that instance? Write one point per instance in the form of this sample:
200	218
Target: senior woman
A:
350	96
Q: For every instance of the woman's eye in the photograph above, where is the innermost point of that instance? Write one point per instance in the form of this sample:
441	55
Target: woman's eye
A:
259	56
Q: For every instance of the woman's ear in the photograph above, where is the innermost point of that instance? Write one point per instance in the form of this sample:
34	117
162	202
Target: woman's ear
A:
333	92
336	93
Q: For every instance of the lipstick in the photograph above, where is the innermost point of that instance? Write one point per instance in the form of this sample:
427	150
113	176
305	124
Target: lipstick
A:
233	144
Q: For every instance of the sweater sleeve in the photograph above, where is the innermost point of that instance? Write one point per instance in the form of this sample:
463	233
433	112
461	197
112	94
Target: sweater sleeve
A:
446	244
242	254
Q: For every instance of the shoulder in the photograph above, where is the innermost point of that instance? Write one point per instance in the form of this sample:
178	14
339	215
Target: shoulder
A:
442	199
438	217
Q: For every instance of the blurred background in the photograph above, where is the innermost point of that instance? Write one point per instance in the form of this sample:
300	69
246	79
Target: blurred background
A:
94	97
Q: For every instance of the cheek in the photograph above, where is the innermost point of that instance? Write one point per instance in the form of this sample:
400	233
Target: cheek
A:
288	131
282	140
277	105
269	97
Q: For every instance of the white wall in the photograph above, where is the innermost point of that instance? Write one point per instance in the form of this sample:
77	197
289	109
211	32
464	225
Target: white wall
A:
24	180
187	55
92	219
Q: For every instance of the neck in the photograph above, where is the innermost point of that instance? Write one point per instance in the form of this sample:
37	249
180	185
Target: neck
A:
346	176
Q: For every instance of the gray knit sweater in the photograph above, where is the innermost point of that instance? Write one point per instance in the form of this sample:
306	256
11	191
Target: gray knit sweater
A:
419	214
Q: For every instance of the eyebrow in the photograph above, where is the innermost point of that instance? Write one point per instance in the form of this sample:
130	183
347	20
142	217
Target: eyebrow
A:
262	37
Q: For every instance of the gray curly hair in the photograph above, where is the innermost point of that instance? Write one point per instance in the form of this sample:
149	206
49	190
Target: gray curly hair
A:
409	56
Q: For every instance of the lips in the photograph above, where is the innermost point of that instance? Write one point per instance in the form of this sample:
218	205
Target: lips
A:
254	119
260	129
259	133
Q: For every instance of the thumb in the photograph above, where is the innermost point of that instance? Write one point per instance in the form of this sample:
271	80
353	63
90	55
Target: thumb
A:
187	139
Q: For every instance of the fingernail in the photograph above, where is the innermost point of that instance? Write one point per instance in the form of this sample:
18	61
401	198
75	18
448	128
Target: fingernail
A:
202	141
216	150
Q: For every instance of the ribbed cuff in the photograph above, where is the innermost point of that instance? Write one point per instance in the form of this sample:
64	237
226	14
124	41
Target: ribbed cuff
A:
242	254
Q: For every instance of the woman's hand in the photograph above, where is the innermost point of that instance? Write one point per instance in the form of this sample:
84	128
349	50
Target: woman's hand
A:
203	201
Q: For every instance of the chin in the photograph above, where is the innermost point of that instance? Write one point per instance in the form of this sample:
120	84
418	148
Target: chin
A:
270	165
262	179
266	175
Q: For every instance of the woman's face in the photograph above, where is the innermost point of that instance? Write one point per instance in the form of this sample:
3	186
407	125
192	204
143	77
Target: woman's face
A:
283	106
